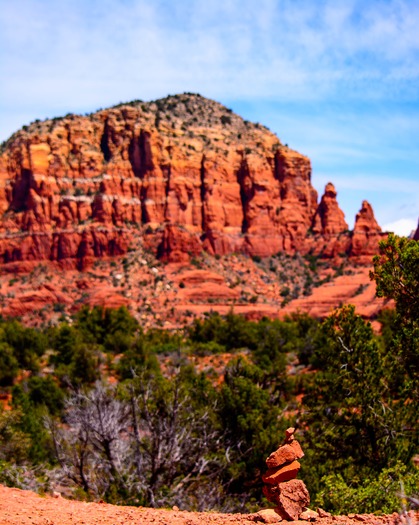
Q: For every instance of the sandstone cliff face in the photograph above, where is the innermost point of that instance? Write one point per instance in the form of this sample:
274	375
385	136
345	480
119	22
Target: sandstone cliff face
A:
331	234
367	233
184	170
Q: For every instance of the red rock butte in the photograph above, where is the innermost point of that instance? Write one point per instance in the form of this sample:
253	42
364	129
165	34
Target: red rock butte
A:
184	172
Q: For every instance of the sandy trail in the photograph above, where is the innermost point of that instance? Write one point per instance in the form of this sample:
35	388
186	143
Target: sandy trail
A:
19	507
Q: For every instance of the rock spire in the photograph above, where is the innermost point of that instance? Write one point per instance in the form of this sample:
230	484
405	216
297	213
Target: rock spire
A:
329	219
367	233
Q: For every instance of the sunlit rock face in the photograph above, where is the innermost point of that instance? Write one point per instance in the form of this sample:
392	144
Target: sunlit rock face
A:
184	173
367	233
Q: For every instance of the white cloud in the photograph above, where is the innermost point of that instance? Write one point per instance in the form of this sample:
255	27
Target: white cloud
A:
291	50
330	77
401	226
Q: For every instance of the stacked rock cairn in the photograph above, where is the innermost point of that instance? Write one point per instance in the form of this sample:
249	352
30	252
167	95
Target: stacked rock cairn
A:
289	494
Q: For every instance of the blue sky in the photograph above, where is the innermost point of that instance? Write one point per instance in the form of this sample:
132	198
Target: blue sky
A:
338	80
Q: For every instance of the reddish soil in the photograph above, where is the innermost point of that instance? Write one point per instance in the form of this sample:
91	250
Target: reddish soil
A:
170	295
19	507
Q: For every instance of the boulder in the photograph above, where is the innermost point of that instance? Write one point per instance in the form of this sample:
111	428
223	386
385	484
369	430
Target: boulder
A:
292	499
271	492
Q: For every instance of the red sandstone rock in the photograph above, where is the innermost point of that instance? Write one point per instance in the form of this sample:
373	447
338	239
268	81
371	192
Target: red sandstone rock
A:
309	515
367	233
293	498
289	435
271	492
102	297
365	221
209	290
178	245
35	300
268	516
329	219
281	487
274	476
330	236
184	170
323	513
285	454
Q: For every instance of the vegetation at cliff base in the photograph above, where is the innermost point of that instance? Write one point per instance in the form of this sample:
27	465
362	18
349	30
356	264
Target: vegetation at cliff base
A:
157	418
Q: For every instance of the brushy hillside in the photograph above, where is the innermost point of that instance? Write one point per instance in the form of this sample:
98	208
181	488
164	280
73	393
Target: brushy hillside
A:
105	410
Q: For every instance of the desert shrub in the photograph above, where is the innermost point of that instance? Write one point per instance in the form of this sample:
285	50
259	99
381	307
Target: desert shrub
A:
28	344
380	494
206	348
162	341
99	323
14	443
396	273
9	365
63	340
231	331
179	440
44	391
252	424
30	424
354	424
138	360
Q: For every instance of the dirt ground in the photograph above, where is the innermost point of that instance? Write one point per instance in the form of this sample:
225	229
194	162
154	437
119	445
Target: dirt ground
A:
18	507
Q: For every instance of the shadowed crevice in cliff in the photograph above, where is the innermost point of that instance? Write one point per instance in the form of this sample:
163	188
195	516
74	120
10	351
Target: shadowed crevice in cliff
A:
203	194
167	188
246	191
143	197
141	159
277	166
12	255
140	154
104	143
20	192
280	175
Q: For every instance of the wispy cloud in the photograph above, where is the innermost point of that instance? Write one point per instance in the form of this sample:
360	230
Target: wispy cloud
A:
338	80
281	49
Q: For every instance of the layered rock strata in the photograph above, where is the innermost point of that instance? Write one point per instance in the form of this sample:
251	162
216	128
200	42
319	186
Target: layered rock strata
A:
289	494
185	172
